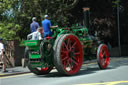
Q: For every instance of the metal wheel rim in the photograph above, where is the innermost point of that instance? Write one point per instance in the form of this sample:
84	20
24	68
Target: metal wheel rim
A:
104	56
71	54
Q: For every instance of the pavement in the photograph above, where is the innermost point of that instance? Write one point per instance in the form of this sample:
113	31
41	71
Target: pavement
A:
20	70
14	71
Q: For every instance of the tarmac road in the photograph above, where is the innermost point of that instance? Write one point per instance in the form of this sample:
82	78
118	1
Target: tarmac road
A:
90	74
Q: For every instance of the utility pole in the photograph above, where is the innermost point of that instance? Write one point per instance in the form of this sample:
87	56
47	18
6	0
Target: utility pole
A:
118	26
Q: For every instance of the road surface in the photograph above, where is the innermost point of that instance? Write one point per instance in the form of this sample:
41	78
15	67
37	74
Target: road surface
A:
90	74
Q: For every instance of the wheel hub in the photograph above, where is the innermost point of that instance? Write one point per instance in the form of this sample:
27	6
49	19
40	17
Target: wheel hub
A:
70	54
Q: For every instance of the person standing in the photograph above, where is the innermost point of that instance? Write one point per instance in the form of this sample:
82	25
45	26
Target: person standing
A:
2	57
46	24
34	25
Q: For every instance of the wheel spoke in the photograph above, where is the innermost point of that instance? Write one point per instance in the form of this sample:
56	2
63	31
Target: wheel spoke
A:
105	54
73	45
70	64
64	52
69	44
65	58
102	54
77	53
74	58
67	65
66	46
64	64
74	62
102	57
102	61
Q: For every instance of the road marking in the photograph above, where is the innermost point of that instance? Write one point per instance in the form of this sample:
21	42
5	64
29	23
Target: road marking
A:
13	76
106	83
1	74
20	75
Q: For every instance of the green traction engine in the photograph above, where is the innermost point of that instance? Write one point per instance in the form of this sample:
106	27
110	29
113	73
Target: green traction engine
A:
65	51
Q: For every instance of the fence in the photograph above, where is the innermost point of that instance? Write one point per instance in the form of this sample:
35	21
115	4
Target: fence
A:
13	53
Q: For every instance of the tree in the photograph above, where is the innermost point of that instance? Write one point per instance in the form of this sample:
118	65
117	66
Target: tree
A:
58	10
18	13
8	25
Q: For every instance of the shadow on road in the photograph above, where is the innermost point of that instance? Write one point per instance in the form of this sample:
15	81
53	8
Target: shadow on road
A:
83	71
91	69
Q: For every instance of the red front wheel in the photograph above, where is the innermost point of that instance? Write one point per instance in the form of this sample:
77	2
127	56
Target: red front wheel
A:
68	55
103	56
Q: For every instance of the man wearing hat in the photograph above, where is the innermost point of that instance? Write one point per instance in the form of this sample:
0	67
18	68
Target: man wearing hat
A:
46	24
34	25
2	58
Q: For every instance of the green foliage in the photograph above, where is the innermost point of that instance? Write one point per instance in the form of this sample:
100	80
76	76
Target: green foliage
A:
115	2
8	31
8	24
16	15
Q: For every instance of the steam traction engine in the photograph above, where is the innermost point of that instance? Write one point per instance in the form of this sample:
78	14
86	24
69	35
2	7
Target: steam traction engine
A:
65	51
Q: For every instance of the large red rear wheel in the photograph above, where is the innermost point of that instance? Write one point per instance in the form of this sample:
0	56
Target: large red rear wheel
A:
103	56
68	55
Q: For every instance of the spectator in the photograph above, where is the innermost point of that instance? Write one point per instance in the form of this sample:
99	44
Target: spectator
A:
2	57
46	24
34	25
37	35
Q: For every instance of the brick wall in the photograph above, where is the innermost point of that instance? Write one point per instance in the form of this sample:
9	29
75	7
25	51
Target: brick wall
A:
13	53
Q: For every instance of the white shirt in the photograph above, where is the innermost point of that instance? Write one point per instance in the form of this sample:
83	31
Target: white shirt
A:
35	35
1	47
